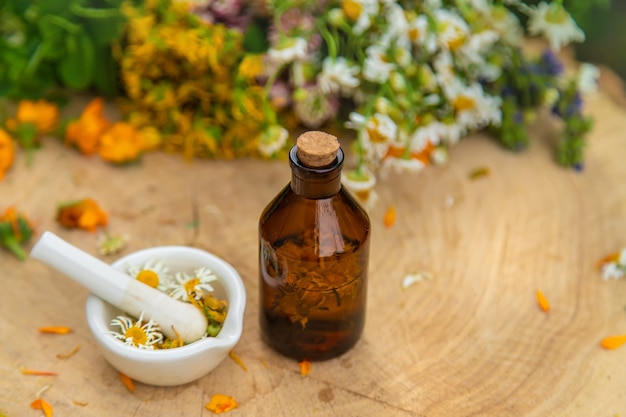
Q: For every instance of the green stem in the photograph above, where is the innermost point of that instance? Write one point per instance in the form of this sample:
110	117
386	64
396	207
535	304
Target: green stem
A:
11	244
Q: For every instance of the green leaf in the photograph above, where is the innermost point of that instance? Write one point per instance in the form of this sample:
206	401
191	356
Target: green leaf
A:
76	69
105	72
254	39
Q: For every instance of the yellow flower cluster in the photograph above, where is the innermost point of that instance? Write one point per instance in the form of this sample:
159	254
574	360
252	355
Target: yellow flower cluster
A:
190	85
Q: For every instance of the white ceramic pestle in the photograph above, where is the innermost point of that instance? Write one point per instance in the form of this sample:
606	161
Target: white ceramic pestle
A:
176	318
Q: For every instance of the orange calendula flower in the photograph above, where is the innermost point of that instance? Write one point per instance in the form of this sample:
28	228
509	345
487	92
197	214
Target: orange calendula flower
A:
221	403
41	114
390	217
55	329
543	302
305	367
41	404
7	152
85	132
84	214
120	144
128	382
613	342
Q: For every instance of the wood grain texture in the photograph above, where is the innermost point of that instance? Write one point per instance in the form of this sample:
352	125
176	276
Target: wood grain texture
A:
470	342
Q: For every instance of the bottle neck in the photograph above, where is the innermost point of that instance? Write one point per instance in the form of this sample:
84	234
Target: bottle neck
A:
315	182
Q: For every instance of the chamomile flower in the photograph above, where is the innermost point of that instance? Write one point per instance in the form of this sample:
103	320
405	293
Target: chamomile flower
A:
288	50
338	76
453	31
473	107
418	33
361	184
614	266
555	23
423	135
192	285
111	244
361	12
272	140
506	24
613	270
137	333
313	107
152	273
401	165
377	67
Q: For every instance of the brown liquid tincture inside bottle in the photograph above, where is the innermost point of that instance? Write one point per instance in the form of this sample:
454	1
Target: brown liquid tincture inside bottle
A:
314	252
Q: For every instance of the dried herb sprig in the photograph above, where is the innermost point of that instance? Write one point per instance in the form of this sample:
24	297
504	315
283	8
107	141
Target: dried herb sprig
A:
15	231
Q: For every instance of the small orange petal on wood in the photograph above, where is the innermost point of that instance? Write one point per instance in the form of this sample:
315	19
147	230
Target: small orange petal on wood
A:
305	367
542	301
55	329
221	403
41	404
237	360
68	354
390	216
25	371
613	342
128	382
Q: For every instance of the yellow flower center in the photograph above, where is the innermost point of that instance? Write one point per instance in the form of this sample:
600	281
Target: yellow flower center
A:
456	43
374	132
352	9
149	278
137	335
556	14
414	34
463	103
189	286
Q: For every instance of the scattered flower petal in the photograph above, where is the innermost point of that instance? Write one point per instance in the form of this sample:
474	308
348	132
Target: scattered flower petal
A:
542	301
237	360
127	382
305	367
414	278
41	404
25	371
613	342
55	329
390	216
69	354
221	403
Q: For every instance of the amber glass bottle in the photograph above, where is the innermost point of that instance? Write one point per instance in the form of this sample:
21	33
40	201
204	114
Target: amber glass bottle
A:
313	254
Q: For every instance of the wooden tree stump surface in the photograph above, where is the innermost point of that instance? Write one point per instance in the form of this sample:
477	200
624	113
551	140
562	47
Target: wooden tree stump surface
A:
470	342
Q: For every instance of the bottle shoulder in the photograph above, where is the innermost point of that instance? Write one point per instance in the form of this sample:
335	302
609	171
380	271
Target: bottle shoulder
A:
290	216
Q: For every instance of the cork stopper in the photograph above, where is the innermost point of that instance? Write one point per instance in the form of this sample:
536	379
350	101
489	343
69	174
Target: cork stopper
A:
317	149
